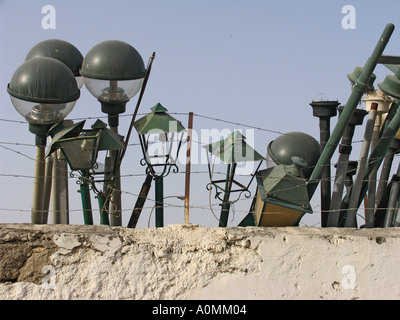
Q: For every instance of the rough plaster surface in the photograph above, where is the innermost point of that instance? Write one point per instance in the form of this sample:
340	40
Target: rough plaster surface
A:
193	262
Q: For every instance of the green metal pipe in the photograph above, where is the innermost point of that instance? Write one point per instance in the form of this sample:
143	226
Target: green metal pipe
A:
159	189
226	205
360	87
375	159
103	212
37	216
86	204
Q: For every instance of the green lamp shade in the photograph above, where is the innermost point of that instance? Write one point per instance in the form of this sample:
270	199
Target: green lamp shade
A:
353	77
43	90
234	149
81	151
282	197
158	121
282	149
113	71
390	86
61	50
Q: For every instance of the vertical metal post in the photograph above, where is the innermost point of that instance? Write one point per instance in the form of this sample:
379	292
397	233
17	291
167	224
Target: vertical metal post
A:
116	203
103	210
140	202
159	188
358	183
38	186
230	173
324	110
188	163
59	190
378	153
47	187
342	167
86	204
385	172
360	87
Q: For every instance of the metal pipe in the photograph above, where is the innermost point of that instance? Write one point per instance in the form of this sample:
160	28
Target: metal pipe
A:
159	188
38	186
378	153
342	167
188	163
47	188
86	203
140	202
230	173
361	85
103	210
358	182
116	201
59	190
324	110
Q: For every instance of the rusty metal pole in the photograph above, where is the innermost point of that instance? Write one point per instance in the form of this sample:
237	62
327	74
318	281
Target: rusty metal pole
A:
188	163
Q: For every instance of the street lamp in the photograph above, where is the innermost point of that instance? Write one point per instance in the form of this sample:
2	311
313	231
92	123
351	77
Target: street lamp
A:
56	166
61	50
283	197
80	148
44	91
231	151
158	134
113	72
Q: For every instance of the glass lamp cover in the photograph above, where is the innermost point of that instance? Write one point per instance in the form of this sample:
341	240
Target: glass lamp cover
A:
106	90
80	153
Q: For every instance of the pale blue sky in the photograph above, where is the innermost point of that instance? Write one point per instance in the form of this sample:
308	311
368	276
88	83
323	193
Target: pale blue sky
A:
255	62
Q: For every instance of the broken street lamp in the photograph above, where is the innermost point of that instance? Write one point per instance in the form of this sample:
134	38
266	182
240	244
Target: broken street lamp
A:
44	91
160	137
282	197
231	151
80	148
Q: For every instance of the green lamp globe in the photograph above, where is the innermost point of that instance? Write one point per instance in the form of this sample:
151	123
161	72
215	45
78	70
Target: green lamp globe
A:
113	72
62	51
43	90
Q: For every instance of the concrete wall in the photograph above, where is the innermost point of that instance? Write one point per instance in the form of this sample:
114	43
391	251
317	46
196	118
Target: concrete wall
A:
192	262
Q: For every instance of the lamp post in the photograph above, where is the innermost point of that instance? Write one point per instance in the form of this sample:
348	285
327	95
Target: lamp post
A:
231	151
80	148
325	110
157	139
113	72
56	166
44	91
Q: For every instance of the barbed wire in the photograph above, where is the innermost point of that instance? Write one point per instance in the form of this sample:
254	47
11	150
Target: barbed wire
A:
5	145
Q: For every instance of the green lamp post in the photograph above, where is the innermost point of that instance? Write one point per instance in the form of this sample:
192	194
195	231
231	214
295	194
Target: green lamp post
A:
80	148
44	91
113	72
158	134
56	172
232	150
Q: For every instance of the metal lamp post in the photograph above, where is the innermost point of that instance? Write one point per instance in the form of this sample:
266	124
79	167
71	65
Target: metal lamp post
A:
231	151
157	138
80	148
325	110
113	72
56	174
44	91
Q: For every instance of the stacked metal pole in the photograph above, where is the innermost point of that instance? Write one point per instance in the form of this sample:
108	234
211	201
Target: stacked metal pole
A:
342	166
325	110
360	87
